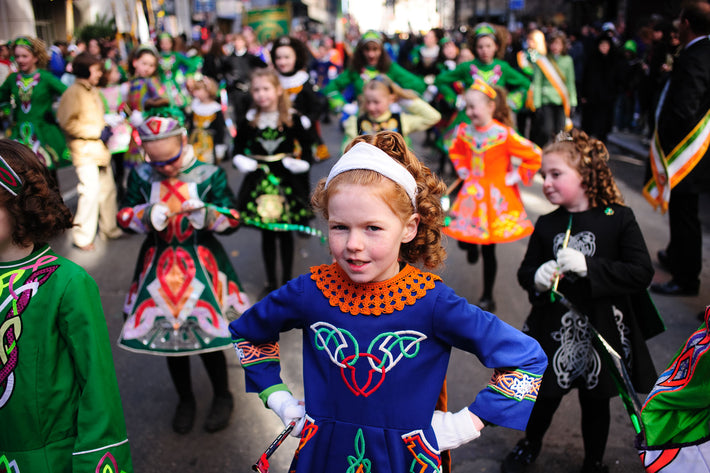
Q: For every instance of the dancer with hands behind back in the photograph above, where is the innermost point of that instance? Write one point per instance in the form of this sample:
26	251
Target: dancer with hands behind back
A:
604	269
371	312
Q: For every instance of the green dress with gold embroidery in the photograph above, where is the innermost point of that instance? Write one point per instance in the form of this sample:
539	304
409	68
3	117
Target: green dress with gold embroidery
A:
34	122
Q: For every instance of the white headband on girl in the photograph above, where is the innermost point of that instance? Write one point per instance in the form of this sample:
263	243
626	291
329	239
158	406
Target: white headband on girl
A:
366	156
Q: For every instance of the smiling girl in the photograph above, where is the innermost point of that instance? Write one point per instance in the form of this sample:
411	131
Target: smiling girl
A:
378	331
604	269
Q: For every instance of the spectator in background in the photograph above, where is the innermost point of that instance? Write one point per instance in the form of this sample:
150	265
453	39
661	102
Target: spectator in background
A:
57	58
599	89
81	116
681	130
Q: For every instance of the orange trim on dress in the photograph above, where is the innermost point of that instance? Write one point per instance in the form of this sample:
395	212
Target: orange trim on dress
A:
374	298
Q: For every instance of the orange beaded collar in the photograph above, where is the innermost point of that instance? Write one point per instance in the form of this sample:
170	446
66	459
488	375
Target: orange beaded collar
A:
372	298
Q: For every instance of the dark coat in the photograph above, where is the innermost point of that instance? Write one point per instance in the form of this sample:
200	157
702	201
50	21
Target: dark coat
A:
687	101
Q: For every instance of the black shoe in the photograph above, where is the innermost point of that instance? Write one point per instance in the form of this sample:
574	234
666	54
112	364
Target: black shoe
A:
220	412
489	305
184	417
663	259
672	288
521	457
594	467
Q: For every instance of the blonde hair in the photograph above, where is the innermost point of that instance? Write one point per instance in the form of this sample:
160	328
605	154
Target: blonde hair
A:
284	102
203	82
426	247
590	158
384	83
540	43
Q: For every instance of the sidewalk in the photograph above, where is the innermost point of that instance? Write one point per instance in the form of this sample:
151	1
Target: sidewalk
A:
632	143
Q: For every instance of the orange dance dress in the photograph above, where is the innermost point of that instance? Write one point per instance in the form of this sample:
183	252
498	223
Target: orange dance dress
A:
486	209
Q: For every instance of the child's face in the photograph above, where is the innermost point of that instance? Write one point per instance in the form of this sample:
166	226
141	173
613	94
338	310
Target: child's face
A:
486	49
365	234
166	155
372	52
562	184
377	102
265	94
95	72
465	55
479	108
200	93
26	61
285	59
450	50
114	77
94	47
6	227
556	47
145	65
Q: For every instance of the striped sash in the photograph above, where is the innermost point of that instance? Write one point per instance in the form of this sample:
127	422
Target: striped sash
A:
670	170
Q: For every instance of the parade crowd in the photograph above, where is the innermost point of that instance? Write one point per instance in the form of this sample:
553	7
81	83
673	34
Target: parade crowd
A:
150	129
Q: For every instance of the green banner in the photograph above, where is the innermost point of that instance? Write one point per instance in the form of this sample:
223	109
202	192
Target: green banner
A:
269	23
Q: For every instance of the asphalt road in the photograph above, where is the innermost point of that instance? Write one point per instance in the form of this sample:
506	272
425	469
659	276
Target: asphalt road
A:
149	398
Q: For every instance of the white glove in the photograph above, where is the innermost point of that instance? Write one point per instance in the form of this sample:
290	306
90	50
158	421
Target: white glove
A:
244	164
350	109
512	178
159	216
296	166
545	275
572	261
453	430
288	409
220	151
113	119
197	216
136	118
463	173
430	93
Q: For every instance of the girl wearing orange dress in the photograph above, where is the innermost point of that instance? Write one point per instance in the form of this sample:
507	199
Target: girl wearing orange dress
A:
488	209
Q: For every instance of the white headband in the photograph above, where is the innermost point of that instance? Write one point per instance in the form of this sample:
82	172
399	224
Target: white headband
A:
366	156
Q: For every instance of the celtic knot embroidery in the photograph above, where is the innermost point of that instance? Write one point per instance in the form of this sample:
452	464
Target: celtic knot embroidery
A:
11	327
426	458
518	384
344	351
358	463
250	354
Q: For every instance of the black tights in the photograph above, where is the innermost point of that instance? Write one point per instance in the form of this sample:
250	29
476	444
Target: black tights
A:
216	366
490	269
595	423
268	252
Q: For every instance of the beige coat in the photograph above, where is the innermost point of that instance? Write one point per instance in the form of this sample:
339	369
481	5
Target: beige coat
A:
81	117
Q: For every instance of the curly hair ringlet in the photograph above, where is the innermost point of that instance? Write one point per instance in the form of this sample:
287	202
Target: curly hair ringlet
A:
426	247
38	212
590	158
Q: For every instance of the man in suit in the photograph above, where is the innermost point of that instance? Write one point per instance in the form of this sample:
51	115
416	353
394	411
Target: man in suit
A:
685	107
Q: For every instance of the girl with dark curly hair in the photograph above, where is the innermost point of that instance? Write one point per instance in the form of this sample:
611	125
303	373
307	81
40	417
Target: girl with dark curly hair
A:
58	387
378	331
592	250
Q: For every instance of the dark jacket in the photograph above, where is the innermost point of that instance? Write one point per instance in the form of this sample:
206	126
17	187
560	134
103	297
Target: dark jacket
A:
687	101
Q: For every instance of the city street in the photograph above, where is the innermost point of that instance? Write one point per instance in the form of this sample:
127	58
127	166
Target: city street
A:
149	398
